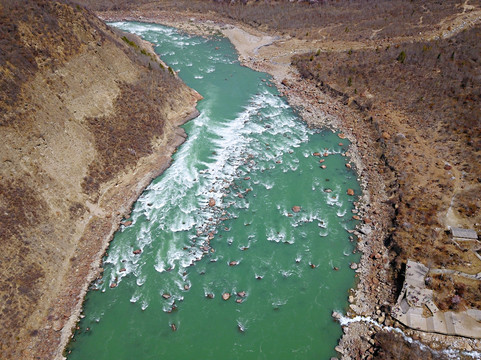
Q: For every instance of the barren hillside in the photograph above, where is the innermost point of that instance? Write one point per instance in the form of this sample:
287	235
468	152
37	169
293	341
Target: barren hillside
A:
87	118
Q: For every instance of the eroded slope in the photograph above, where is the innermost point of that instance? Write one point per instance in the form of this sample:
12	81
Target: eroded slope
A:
86	120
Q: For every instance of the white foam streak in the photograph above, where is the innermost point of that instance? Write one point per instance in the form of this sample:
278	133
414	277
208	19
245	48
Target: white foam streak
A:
341	213
277	237
135	298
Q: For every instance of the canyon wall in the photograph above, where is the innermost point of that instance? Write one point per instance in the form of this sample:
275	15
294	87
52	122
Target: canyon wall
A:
87	118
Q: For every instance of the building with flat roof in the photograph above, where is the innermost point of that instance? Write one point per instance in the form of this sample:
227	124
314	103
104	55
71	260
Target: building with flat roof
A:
466	234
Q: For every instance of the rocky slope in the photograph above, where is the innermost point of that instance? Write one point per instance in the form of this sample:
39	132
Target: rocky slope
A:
87	118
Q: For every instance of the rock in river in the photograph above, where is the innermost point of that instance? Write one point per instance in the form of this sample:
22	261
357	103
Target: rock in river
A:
336	315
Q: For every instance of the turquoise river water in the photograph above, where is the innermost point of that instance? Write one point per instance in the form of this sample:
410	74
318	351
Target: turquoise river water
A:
285	271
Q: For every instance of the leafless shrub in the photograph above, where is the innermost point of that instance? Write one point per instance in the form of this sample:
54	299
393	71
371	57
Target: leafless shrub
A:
391	346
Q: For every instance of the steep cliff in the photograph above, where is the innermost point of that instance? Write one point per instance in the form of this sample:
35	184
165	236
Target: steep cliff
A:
87	118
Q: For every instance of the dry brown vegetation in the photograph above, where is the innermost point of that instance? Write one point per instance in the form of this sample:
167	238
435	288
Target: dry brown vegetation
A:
424	98
344	20
19	62
391	346
435	83
124	138
455	293
22	208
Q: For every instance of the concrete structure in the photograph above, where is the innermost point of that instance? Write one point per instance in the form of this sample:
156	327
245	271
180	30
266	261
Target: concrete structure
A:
415	308
466	239
465	234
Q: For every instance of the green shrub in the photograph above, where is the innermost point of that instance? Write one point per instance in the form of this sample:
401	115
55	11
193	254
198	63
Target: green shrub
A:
129	42
401	57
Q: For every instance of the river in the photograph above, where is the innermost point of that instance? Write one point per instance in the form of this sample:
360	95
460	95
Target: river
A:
245	209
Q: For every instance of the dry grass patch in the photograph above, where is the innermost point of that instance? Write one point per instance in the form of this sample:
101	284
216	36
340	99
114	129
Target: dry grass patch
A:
455	293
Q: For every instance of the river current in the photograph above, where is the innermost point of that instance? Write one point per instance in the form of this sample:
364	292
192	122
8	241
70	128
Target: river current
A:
222	222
